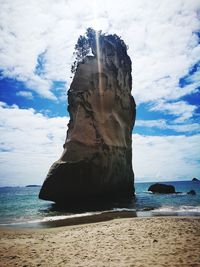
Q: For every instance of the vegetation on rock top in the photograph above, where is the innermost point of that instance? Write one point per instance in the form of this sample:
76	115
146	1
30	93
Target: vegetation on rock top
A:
87	44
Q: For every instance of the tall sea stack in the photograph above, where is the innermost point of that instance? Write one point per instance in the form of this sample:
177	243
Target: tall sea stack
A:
97	160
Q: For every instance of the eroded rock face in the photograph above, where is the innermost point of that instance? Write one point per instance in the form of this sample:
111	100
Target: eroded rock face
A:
97	158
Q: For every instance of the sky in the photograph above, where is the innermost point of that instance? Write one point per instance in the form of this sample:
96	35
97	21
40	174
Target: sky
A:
37	39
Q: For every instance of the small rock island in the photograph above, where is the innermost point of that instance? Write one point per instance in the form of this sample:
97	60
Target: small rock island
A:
33	185
162	188
97	158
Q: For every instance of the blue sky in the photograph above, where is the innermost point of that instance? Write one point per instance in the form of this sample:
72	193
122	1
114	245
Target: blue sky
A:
36	51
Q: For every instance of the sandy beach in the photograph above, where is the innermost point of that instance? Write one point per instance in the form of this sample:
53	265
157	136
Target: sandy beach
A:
155	241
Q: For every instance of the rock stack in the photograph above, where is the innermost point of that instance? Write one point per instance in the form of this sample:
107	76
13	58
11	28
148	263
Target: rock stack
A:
97	158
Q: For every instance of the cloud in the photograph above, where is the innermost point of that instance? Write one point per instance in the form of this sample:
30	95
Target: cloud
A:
161	36
41	86
25	94
165	158
31	142
181	109
162	124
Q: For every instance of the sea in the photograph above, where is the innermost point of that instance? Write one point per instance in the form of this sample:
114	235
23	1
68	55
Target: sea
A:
20	206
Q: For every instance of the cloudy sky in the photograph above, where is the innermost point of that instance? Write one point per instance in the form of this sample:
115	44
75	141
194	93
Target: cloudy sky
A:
37	39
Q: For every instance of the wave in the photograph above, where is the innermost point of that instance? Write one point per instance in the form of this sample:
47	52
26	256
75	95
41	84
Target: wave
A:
51	218
86	217
123	209
114	213
180	211
173	194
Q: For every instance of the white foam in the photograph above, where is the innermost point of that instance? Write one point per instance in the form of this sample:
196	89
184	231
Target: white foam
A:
181	210
54	218
123	209
63	217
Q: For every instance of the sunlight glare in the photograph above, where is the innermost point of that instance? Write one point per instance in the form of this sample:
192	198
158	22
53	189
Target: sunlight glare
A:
98	50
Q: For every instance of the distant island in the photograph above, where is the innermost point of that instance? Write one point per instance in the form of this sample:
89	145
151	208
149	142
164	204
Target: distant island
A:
33	185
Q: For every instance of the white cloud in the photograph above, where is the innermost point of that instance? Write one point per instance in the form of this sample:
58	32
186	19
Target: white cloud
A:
41	86
165	158
25	94
181	109
163	125
151	123
31	142
160	35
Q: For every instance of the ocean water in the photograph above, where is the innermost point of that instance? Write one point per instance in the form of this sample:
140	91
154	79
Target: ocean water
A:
21	204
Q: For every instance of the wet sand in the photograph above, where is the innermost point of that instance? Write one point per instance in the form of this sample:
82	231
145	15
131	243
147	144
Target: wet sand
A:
154	241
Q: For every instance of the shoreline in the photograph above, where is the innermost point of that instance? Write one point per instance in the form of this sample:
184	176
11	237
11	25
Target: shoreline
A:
137	241
71	220
91	217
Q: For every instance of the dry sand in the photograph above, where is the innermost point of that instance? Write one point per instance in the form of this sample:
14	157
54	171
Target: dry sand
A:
156	241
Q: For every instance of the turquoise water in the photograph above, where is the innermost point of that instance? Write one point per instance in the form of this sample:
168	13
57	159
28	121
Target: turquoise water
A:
21	204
